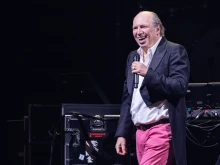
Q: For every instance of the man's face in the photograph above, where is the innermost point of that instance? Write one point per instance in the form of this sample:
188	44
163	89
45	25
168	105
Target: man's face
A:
143	31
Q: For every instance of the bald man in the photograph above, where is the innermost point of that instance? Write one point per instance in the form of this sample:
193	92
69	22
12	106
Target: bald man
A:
156	106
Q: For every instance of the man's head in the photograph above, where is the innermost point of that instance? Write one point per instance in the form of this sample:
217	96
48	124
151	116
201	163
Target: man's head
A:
147	29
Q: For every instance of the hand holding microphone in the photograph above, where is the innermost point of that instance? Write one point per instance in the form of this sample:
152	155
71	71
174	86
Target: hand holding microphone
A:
138	68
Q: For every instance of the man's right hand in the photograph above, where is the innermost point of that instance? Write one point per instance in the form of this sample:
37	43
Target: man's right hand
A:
120	146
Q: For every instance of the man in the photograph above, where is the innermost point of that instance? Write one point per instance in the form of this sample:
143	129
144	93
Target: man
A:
156	107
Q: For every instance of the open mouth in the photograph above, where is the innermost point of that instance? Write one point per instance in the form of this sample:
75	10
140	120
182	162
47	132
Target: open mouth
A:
141	38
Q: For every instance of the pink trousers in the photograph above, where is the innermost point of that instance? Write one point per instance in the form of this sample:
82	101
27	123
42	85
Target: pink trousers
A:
153	146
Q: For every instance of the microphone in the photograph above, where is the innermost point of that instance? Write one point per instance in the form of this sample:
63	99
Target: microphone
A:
136	76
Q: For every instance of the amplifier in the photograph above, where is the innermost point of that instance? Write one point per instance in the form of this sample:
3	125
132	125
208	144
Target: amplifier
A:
90	141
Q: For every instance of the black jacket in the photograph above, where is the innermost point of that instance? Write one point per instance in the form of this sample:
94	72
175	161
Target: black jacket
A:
167	78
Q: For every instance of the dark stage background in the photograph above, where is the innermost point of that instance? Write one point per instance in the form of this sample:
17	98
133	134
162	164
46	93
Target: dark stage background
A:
61	51
47	39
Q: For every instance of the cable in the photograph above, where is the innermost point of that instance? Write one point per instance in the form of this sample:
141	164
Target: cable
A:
192	135
201	110
53	139
196	141
90	116
204	128
204	122
86	115
52	145
200	144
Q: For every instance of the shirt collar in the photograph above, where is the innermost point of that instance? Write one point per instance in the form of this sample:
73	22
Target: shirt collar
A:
152	49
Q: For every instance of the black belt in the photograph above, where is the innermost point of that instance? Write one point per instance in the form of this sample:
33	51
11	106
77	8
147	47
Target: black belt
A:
144	127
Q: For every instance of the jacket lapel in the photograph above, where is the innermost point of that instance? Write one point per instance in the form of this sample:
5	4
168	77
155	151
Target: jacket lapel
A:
154	63
158	55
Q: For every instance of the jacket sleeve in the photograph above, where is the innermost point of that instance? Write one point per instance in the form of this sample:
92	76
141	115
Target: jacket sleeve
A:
125	123
176	83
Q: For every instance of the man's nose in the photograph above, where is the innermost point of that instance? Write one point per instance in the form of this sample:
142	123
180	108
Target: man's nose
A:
139	31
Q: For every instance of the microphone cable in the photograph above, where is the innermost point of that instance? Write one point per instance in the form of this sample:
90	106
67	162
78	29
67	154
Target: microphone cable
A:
54	133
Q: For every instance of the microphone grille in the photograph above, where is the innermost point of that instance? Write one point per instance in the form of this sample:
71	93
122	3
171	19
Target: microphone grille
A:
137	57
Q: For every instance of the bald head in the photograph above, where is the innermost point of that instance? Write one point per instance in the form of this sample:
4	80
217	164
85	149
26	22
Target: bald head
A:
144	13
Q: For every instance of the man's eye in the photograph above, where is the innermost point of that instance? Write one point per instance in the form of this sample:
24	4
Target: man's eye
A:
143	27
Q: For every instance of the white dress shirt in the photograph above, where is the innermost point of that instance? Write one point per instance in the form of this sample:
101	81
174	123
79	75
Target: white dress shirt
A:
141	113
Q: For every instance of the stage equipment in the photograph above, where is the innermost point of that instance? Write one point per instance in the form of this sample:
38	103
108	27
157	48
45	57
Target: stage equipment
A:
90	141
203	136
44	139
206	95
89	132
15	143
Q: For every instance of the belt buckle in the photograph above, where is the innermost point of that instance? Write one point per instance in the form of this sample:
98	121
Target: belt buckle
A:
143	127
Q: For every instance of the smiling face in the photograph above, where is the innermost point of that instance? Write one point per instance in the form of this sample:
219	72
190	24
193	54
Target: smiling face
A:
144	32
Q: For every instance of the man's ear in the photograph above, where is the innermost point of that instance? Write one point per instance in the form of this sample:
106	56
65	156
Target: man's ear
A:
158	28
